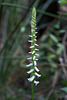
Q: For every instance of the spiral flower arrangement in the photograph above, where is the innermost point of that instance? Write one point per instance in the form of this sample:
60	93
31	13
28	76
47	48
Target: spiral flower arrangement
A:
33	65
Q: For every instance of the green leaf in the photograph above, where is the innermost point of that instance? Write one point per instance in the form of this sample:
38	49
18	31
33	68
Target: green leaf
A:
57	26
62	1
60	45
62	31
53	38
60	49
52	56
64	82
44	38
64	89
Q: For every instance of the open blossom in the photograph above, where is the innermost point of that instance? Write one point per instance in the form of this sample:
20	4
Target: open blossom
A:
33	65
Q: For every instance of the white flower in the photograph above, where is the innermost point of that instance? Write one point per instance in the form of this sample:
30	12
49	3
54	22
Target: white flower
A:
36	69
38	75
30	71
35	39
35	63
29	52
37	54
29	65
31	78
30	35
37	49
30	41
36	32
33	57
36	59
32	47
32	30
36	45
29	58
33	52
36	82
33	34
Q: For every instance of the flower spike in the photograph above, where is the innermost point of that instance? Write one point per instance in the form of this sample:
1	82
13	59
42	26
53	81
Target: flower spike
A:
33	65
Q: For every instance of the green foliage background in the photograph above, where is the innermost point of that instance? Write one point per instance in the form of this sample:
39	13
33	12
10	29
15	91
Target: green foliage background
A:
15	17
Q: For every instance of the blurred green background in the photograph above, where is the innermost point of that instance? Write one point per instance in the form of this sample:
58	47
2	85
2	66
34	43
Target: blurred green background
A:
15	18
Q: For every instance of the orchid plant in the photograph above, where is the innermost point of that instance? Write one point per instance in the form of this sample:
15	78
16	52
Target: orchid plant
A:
33	65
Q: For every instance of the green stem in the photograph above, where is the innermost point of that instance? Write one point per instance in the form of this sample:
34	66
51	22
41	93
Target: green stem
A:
33	90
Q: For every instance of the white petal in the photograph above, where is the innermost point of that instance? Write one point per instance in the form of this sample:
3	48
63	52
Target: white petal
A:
35	39
36	32
32	47
35	28
29	65
34	58
36	82
36	69
30	41
36	45
34	35
29	52
29	58
32	30
33	52
38	75
37	49
37	54
35	63
30	35
31	78
30	71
